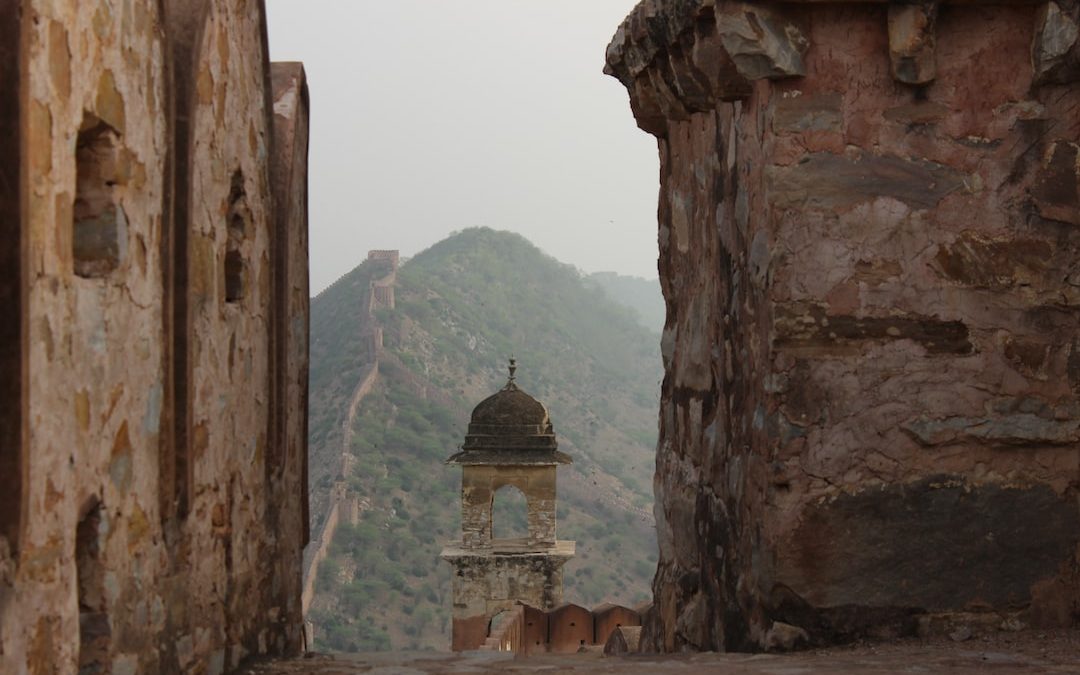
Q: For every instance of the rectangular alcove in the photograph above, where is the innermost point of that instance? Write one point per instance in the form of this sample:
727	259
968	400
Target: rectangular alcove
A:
99	227
238	224
95	632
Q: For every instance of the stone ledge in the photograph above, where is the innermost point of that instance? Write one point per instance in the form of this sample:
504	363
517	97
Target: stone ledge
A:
498	548
678	57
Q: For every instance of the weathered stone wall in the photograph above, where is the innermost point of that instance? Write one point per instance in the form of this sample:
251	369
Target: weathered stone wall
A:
287	467
492	575
869	249
159	531
484	583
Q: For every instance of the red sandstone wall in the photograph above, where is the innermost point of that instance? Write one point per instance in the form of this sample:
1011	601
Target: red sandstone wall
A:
570	627
535	634
868	246
528	630
607	618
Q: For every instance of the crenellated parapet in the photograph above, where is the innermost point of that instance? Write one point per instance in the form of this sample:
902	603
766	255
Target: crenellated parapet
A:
869	232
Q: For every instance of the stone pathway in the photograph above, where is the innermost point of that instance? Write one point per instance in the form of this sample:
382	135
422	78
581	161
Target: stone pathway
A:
1029	652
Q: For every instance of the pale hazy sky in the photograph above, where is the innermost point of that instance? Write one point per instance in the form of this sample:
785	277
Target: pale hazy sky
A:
429	116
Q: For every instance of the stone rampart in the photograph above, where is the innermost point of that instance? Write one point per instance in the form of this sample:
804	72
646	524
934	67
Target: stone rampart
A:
340	497
321	550
869	248
153	443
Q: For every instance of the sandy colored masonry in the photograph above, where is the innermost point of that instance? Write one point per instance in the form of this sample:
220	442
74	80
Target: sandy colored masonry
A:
154	354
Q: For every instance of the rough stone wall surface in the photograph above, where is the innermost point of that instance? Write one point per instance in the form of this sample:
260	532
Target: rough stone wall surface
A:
106	572
94	411
869	251
484	584
292	317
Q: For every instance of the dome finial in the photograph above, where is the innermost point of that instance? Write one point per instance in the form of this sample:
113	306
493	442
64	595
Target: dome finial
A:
513	369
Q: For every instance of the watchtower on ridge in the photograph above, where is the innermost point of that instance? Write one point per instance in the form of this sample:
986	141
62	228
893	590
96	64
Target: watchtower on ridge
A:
510	444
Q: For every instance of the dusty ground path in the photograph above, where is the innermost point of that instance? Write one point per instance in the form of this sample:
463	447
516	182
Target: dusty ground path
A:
1025	652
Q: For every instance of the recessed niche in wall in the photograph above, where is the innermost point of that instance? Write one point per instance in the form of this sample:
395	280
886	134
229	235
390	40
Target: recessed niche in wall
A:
99	237
239	222
95	633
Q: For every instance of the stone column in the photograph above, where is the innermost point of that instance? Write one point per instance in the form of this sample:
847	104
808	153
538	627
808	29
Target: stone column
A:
870	248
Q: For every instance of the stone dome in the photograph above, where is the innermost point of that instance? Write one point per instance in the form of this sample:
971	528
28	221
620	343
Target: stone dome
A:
510	407
510	427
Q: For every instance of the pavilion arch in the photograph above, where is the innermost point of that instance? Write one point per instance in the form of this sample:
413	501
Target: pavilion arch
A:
509	513
482	482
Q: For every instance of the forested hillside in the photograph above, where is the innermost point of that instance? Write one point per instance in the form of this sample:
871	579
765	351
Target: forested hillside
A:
643	296
462	308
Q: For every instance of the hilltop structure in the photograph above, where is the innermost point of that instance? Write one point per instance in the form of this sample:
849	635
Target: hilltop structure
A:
870	250
153	274
510	445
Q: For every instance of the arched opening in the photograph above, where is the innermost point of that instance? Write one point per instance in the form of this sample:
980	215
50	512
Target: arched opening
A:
238	223
94	631
12	287
509	514
99	237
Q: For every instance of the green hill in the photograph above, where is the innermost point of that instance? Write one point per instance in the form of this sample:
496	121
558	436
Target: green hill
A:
462	308
643	296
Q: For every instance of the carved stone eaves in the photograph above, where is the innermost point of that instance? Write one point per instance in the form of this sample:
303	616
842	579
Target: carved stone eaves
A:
677	57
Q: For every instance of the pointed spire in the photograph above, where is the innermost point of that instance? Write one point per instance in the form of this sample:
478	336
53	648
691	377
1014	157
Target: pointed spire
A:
513	369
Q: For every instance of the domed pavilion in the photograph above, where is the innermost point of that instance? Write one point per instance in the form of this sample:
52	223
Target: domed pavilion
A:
510	444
